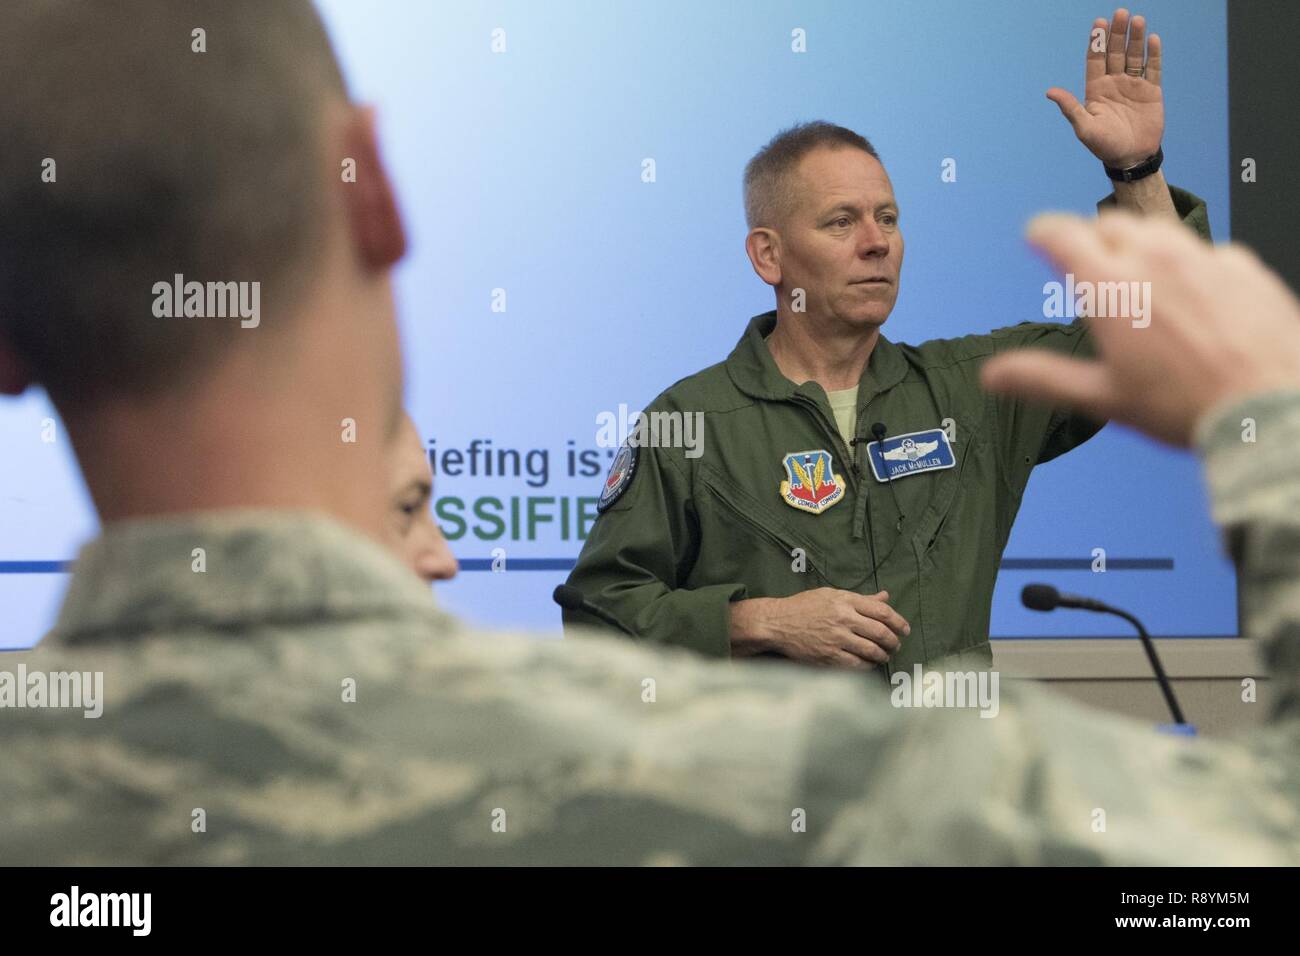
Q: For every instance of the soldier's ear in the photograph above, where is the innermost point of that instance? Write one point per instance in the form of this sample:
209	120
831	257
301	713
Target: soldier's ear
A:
373	217
764	249
14	376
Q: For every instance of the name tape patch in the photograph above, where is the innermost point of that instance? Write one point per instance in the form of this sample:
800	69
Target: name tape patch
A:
901	456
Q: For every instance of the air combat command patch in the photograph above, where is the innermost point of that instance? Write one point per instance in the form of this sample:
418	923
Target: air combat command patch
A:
811	483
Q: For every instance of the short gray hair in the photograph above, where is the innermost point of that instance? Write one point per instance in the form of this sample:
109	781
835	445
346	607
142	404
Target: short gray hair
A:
768	194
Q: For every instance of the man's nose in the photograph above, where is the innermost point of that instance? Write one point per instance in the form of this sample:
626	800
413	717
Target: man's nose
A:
873	240
436	562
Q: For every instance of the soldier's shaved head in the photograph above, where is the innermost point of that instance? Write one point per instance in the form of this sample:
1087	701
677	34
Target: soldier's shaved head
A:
136	147
210	140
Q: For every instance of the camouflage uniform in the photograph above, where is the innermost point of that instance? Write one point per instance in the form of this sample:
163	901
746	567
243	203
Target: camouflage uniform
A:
224	691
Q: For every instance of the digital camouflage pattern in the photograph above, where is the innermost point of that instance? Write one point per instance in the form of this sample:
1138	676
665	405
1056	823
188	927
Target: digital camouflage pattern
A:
224	691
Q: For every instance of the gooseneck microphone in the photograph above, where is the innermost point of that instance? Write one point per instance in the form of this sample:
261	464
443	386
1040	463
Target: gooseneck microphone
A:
571	599
879	431
1044	597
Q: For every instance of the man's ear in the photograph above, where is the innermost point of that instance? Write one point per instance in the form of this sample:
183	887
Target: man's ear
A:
14	377
376	223
764	249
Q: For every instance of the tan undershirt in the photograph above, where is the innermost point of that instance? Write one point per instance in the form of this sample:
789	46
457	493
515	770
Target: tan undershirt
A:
844	405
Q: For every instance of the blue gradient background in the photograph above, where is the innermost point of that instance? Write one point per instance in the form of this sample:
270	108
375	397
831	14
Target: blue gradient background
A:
522	171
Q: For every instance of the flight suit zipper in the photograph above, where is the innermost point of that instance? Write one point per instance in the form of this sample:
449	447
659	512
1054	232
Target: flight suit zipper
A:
862	529
846	454
862	497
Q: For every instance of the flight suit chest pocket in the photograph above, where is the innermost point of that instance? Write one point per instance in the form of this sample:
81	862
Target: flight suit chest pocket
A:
943	495
955	548
741	540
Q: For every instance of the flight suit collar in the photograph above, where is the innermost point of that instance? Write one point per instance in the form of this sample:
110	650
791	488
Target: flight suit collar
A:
254	567
754	371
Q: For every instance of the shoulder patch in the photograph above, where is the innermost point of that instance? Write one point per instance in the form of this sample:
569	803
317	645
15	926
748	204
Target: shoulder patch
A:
619	477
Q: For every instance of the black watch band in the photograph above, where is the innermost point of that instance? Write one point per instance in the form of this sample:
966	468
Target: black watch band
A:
1141	171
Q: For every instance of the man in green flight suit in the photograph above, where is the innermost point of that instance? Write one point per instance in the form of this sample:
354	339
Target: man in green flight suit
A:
852	496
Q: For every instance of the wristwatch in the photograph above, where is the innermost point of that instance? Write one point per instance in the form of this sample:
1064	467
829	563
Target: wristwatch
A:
1140	171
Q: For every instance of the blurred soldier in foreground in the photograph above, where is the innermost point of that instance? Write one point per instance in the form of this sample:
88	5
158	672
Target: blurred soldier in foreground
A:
276	686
